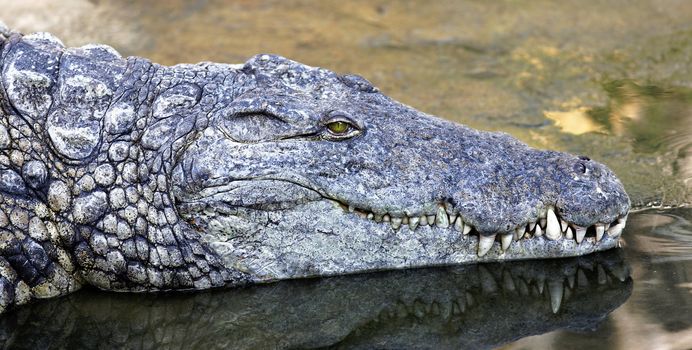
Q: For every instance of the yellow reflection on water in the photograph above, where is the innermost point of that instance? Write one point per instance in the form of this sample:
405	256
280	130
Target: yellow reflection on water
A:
577	121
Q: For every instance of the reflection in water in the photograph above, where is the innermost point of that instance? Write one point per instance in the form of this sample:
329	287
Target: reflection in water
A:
474	306
576	121
656	120
658	315
664	247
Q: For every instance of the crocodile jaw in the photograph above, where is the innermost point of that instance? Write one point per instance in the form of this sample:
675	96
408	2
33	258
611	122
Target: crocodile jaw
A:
320	238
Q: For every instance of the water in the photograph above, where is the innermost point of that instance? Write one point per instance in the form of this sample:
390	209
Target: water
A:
610	80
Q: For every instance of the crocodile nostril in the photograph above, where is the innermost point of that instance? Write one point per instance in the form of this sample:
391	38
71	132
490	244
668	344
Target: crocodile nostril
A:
580	167
584	158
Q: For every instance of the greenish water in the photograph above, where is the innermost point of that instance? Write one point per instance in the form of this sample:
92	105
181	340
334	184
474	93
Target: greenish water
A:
611	80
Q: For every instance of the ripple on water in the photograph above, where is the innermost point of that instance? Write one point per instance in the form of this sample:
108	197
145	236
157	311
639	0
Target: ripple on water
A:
663	236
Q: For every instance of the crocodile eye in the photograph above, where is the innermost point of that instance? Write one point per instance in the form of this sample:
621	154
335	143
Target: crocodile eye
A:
339	127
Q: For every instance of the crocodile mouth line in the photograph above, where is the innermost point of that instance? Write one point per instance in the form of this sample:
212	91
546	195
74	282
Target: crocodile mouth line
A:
548	224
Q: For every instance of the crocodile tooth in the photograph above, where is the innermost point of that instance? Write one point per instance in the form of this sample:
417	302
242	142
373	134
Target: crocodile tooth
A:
442	220
461	300
532	225
484	244
431	220
518	233
470	300
351	209
378	218
616	230
569	234
455	308
452	219
459	224
435	308
423	220
446	309
506	241
552	230
396	223
507	282
600	229
405	220
419	309
619	271
467	228
488	283
581	232
386	218
539	231
563	225
523	288
371	216
413	223
602	279
542	223
570	281
556	289
582	281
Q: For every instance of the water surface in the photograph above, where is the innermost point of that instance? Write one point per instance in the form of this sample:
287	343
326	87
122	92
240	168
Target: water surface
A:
612	80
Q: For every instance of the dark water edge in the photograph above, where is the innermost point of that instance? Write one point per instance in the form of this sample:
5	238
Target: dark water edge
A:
636	297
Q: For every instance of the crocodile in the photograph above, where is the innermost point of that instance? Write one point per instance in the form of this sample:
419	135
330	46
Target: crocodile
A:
127	175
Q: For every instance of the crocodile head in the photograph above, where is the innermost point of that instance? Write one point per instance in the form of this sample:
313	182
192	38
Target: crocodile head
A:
306	172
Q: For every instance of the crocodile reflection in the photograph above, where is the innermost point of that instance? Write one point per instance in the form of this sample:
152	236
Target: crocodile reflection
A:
474	306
